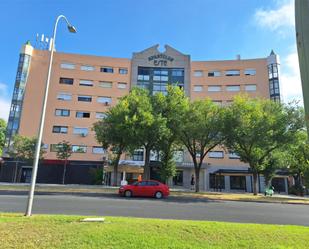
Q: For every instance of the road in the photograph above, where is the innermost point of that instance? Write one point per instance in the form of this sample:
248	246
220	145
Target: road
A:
170	208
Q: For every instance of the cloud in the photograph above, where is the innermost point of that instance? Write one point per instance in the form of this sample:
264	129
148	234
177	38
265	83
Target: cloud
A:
4	101
291	88
277	19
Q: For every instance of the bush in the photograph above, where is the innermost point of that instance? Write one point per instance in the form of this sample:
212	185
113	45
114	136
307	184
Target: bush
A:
297	190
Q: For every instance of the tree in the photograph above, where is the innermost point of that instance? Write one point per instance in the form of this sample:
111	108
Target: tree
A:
2	134
255	128
64	151
201	131
114	133
23	148
173	107
147	126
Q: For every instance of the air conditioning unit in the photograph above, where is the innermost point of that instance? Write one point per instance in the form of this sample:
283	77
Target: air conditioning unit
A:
106	103
83	134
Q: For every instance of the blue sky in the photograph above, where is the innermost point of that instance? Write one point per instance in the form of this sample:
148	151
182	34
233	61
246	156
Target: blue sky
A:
205	29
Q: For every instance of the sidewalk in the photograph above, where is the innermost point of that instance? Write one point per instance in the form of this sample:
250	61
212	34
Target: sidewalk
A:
179	193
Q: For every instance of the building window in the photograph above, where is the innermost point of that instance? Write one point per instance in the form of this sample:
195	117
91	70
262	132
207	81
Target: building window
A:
250	88
87	68
215	154
123	71
143	77
105	84
105	100
214	73
217	102
178	156
100	115
66	65
238	182
122	85
232	73
60	129
79	148
84	98
64	96
80	131
80	114
62	112
138	155
55	147
66	81
177	72
97	150
216	181
250	72
233	155
214	88
235	88
85	82
107	70
198	73
198	88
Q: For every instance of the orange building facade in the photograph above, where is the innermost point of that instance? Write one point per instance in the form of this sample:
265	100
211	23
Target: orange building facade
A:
84	87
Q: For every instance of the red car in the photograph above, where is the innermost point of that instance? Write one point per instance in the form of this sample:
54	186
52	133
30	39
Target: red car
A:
149	188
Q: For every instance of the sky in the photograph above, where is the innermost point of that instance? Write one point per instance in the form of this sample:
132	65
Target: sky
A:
205	29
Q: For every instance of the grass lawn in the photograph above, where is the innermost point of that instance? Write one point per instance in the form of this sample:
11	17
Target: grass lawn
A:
59	231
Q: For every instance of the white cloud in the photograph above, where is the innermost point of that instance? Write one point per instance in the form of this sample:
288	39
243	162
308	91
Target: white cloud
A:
277	19
4	101
290	81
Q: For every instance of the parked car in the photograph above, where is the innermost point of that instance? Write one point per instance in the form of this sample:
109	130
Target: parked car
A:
150	188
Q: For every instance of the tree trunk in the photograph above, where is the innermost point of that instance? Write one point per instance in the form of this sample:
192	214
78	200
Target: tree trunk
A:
255	181
147	166
64	171
197	179
115	183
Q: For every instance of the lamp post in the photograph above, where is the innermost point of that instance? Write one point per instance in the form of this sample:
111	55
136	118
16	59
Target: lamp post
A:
41	127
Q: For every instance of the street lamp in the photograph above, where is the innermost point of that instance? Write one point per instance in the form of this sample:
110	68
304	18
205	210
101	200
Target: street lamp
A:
72	29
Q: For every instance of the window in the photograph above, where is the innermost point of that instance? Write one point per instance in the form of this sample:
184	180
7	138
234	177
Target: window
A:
55	147
81	114
178	156
235	88
238	182
66	81
177	72
80	131
122	85
84	98
198	73
214	73
60	129
150	183
64	96
217	102
232	73
100	115
85	82
97	150
66	65
216	181
250	71
79	148
87	68
62	112
105	100
105	84
233	155
198	88
250	88
107	70
143	77
123	71
138	155
215	154
214	88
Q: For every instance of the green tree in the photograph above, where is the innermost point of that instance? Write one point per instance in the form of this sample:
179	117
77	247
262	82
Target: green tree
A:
2	134
201	131
115	134
147	126
64	152
173	107
255	128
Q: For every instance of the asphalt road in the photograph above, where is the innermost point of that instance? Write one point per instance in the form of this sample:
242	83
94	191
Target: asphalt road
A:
170	208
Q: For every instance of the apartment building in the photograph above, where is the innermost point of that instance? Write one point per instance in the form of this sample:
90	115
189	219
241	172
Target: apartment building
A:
84	87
